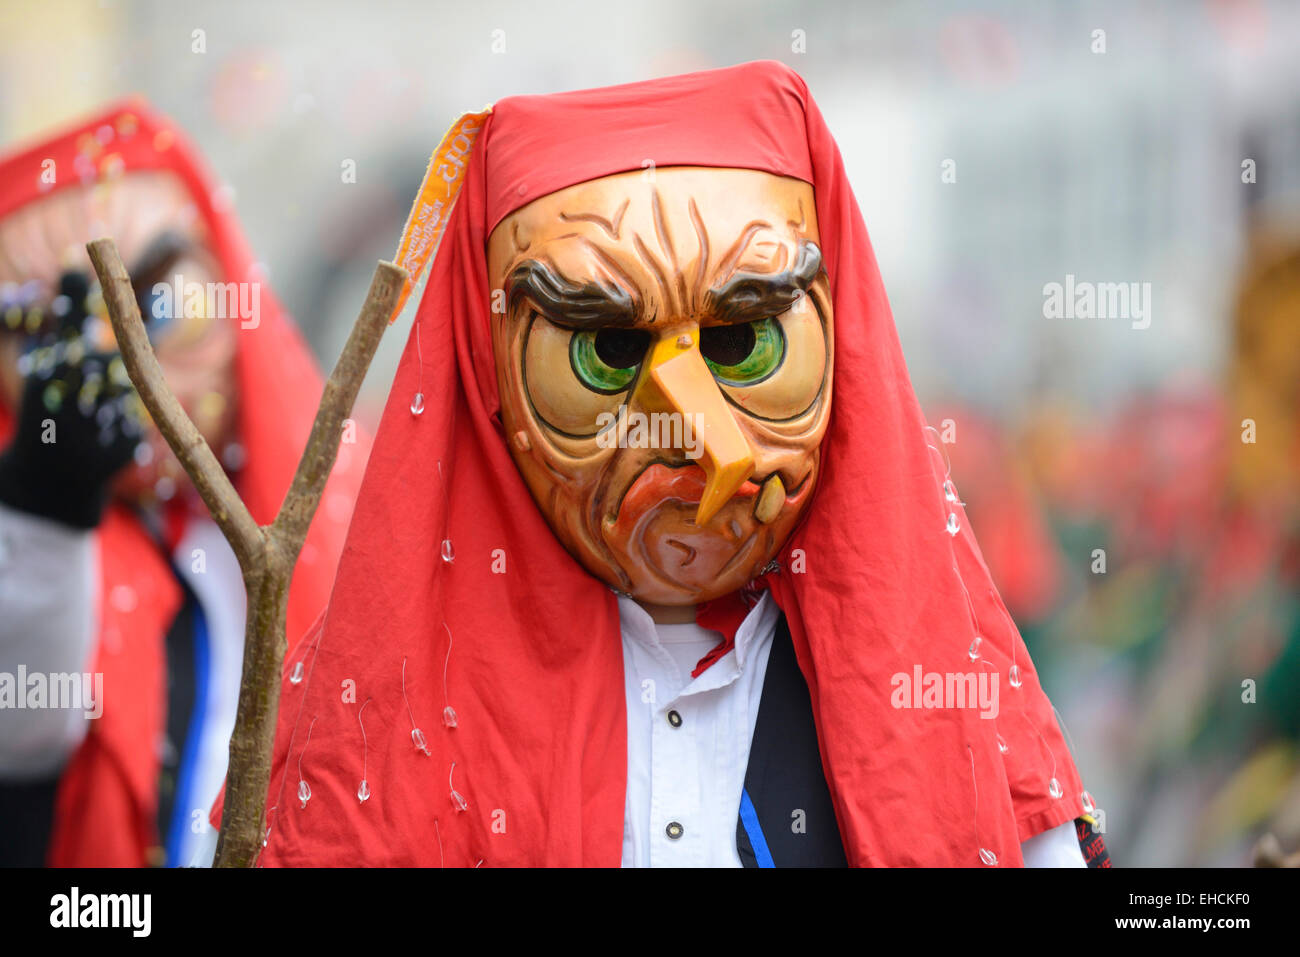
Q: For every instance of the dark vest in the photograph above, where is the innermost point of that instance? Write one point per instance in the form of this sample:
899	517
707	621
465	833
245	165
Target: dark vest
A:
786	818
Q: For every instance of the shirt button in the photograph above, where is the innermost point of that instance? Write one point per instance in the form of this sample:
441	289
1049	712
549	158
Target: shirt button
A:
674	830
674	719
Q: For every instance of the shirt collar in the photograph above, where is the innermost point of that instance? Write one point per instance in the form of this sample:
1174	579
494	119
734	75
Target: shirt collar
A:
726	662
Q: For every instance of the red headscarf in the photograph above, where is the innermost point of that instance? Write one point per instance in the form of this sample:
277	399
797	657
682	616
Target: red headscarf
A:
530	658
108	797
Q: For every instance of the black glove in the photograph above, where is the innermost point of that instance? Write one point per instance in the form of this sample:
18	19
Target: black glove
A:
78	420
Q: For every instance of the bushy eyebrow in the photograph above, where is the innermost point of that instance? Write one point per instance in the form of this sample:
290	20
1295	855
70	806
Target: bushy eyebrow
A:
566	303
744	297
749	296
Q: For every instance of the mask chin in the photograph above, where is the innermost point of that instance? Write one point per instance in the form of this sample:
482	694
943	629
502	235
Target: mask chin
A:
671	561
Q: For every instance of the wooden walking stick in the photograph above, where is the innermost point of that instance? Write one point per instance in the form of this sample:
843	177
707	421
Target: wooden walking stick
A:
266	553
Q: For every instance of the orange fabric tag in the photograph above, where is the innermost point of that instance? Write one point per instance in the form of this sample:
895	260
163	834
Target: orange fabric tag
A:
438	192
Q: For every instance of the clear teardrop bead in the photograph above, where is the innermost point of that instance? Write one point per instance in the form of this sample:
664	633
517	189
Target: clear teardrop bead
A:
448	553
417	738
974	649
954	526
949	491
449	716
417	404
1013	676
304	792
295	676
1089	805
363	792
988	857
458	801
1054	788
1002	745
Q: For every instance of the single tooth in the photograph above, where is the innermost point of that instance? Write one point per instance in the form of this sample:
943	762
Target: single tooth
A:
770	500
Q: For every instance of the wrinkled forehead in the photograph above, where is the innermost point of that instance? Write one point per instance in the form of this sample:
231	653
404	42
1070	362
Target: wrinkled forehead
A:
664	237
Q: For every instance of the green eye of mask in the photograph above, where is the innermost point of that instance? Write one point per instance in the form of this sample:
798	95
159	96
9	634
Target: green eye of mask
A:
606	360
743	354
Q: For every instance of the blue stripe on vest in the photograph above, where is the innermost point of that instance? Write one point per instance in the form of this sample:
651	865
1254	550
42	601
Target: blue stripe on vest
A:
182	809
749	818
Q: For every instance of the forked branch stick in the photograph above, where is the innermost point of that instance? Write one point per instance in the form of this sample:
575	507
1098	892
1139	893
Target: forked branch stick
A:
267	554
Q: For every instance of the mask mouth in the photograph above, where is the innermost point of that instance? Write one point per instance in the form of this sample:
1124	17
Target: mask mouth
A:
659	483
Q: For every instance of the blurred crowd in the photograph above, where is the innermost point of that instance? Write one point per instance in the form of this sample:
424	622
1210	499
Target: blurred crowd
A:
1151	557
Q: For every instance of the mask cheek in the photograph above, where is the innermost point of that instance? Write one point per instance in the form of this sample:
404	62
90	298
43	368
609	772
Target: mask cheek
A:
789	450
562	471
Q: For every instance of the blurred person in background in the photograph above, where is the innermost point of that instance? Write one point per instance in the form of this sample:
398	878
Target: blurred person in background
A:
110	566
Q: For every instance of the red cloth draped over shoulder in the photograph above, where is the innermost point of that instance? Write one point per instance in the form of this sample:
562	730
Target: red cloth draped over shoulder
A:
107	799
530	659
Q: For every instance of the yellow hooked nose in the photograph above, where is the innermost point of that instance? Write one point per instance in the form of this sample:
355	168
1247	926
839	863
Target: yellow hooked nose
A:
679	381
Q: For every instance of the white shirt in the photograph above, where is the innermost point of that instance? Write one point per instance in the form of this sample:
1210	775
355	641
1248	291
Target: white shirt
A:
687	774
48	584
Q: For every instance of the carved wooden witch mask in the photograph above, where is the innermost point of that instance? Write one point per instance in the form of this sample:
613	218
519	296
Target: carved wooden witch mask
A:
664	353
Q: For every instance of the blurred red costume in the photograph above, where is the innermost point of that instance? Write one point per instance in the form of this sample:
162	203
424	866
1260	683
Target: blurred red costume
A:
105	814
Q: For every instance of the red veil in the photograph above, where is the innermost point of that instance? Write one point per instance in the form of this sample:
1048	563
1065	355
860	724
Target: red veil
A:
523	645
107	798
